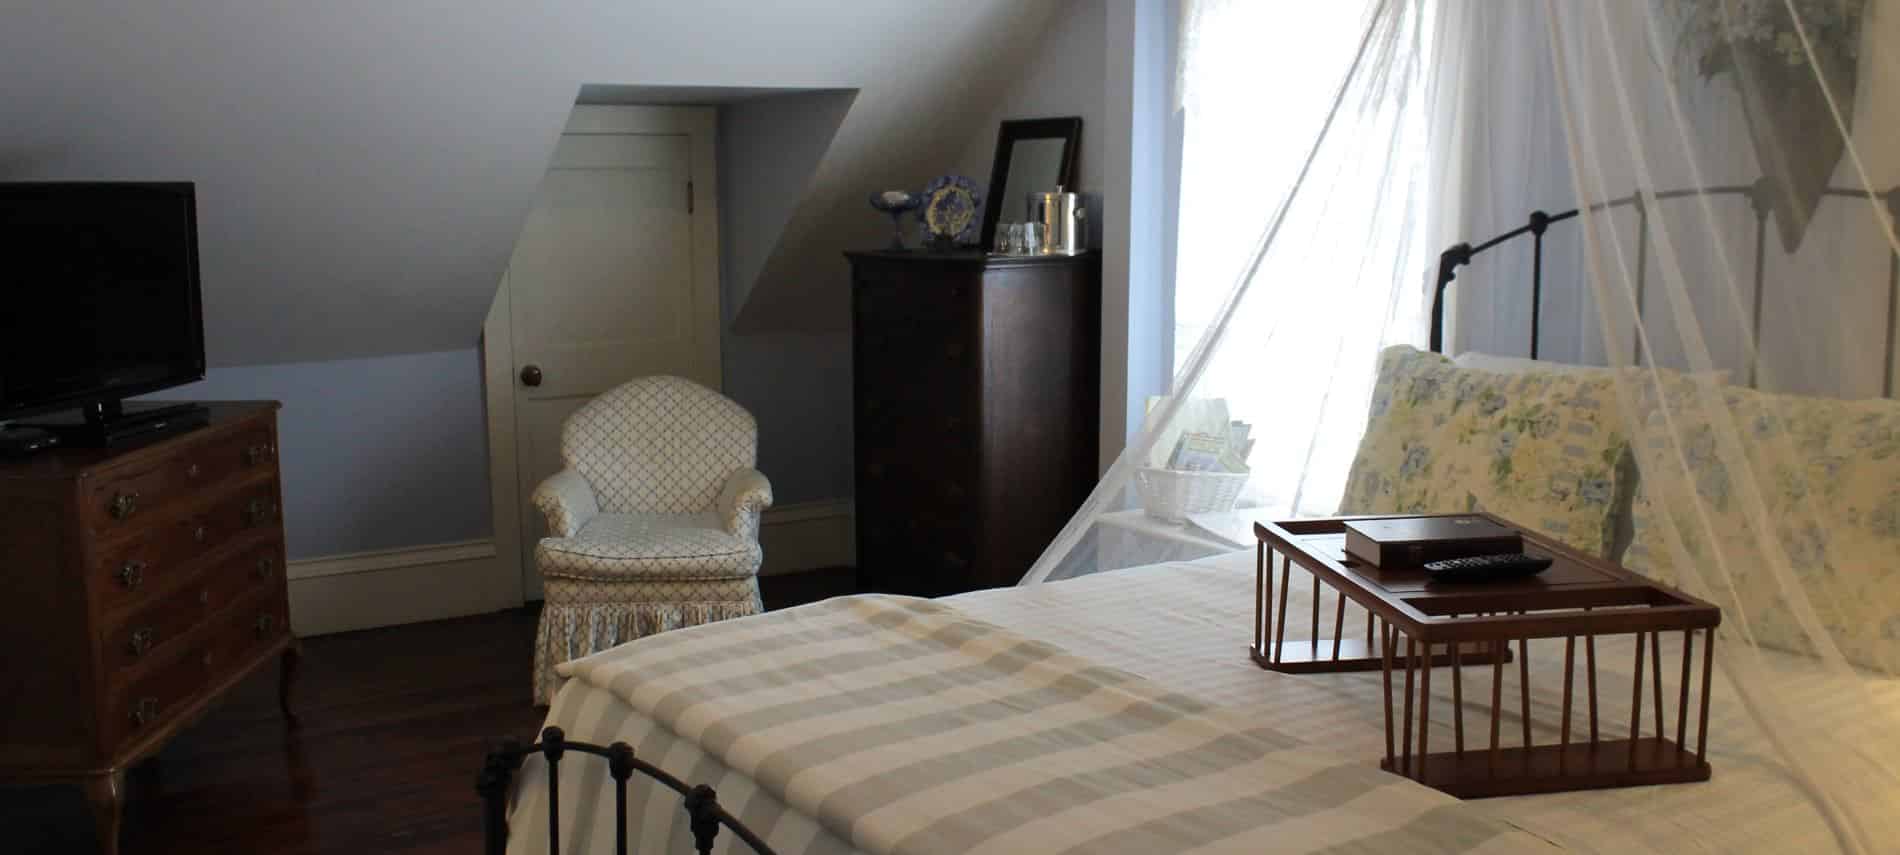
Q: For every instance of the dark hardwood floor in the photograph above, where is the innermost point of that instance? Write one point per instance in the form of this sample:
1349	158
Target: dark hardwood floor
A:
392	726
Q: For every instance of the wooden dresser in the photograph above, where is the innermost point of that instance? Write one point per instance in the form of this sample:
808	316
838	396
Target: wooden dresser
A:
141	583
976	412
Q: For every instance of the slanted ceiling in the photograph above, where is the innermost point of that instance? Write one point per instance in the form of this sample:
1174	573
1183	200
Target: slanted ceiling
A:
364	166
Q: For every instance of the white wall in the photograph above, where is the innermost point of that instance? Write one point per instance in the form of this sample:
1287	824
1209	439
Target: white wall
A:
1142	189
1065	75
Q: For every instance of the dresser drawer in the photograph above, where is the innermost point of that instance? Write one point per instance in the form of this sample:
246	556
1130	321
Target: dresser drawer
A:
248	629
127	570
156	630
146	705
124	498
148	631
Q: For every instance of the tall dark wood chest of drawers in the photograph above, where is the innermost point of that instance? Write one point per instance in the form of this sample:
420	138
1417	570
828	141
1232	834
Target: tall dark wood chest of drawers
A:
976	410
140	584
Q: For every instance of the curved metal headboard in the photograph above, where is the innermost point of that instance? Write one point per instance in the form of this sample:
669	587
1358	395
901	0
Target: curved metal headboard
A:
1758	195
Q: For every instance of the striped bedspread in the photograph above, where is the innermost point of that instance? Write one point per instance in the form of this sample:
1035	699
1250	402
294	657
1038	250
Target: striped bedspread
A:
906	726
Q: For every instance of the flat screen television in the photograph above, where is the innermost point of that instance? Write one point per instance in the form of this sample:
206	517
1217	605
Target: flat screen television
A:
101	299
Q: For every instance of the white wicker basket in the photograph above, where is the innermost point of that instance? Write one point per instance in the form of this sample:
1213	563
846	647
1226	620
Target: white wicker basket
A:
1170	494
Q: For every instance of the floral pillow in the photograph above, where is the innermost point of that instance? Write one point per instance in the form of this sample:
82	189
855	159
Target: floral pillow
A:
1824	474
1543	449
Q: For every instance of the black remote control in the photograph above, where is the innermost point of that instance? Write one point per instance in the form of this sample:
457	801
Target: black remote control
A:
1486	568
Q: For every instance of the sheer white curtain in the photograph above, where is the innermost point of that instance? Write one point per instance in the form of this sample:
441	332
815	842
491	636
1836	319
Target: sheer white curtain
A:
1286	339
1259	82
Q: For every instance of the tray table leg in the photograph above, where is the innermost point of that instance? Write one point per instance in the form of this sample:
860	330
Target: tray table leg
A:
1655	678
1411	660
1424	712
1708	662
1457	701
1385	647
1570	665
1682	701
1636	700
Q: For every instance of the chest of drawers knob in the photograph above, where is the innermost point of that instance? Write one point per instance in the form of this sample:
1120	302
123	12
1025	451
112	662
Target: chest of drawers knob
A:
264	567
266	624
204	597
132	574
142	640
256	454
144	711
193	471
199	532
123	505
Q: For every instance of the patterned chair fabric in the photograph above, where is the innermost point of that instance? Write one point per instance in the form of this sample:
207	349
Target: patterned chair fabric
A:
659	445
654	520
659	546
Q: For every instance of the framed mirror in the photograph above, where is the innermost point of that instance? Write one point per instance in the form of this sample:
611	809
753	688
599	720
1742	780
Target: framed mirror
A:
1032	156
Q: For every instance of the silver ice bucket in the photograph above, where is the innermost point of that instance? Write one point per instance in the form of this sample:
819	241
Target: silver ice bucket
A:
1063	221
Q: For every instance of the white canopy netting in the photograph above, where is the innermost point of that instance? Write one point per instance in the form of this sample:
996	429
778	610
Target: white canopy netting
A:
1704	269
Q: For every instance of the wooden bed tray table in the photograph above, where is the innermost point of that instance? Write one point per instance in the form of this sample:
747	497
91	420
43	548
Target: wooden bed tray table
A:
1421	625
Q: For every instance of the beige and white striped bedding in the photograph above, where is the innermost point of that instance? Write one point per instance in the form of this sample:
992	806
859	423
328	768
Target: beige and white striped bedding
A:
1184	628
903	725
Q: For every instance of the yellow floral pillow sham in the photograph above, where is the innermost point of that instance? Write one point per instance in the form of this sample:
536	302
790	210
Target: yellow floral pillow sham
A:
1543	449
1827	476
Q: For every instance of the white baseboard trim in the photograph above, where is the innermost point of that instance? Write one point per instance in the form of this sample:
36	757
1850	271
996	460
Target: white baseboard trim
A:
387	587
396	586
807	536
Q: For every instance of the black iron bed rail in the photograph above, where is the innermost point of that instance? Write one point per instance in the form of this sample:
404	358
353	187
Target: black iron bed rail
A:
497	776
1758	195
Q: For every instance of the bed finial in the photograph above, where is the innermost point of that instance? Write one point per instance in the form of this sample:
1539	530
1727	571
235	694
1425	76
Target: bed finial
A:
1448	263
497	775
702	804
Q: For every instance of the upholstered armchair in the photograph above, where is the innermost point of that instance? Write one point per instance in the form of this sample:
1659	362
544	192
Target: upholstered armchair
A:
653	523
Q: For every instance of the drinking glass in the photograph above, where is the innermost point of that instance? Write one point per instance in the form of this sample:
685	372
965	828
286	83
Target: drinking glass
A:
1033	238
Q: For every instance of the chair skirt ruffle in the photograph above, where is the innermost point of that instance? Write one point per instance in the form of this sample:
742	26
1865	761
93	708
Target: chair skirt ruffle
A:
584	617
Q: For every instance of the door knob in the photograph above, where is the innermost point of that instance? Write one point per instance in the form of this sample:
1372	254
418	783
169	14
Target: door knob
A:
531	375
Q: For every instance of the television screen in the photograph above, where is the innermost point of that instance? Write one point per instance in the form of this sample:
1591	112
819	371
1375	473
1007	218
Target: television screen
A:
101	300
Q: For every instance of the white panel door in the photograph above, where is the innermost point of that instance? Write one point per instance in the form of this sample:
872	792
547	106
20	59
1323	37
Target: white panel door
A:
614	277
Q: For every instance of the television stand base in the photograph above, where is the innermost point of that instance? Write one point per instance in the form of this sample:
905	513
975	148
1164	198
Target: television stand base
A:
114	424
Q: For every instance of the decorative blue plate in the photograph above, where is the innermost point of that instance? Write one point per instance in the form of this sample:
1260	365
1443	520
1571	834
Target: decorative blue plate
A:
951	206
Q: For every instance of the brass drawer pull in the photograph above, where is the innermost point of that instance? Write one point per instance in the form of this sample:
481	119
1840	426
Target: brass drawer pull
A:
266	624
144	711
259	512
124	505
132	574
193	471
198	533
142	640
256	454
264	567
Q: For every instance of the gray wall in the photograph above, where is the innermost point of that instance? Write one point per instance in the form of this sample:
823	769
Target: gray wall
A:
798	385
377	453
364	166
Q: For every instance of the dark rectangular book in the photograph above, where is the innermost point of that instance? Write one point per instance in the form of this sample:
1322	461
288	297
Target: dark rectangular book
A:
1405	543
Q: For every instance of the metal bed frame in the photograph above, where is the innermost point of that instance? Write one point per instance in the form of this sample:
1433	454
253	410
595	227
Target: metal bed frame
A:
497	777
1758	195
